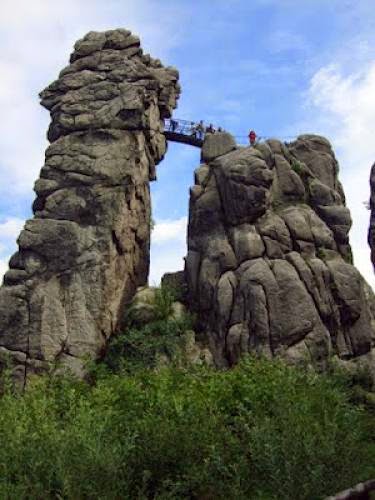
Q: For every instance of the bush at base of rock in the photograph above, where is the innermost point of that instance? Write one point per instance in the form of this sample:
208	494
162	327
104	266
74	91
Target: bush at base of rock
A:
158	330
142	348
259	431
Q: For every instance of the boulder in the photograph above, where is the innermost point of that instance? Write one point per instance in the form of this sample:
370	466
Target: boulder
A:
217	144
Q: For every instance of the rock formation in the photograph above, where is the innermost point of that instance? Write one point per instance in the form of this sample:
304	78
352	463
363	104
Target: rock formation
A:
371	231
86	250
269	264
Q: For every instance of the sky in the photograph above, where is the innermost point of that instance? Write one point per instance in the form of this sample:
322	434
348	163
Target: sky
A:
280	67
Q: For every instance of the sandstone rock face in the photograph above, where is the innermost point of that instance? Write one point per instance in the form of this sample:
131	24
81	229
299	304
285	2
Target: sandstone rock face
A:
216	145
269	265
371	231
86	250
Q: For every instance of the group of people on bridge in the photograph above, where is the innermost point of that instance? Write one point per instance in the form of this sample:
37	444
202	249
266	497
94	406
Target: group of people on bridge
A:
198	130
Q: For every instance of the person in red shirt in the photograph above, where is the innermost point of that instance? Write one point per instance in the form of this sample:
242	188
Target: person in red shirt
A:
252	137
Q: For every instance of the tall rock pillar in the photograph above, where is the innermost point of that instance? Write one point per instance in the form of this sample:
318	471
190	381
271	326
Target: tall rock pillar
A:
269	265
87	248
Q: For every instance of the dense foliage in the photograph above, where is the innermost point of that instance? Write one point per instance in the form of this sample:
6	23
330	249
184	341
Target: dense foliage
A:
261	430
145	346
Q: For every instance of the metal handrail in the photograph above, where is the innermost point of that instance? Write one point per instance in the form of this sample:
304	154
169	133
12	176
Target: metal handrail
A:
184	127
176	126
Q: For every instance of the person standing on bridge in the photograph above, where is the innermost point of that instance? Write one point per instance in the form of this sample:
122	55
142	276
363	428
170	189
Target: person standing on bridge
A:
193	130
173	125
210	129
252	137
200	130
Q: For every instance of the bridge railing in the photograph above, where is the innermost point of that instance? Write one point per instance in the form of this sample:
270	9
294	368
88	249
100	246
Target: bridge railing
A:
184	127
191	129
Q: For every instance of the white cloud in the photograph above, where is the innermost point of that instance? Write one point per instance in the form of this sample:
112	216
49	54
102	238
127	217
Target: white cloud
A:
169	230
350	103
10	229
342	106
166	260
168	248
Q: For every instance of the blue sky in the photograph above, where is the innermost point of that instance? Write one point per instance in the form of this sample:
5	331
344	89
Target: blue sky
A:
282	67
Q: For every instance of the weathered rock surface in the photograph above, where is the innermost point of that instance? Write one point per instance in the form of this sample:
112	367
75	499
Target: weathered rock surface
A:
269	265
216	145
176	283
86	250
371	231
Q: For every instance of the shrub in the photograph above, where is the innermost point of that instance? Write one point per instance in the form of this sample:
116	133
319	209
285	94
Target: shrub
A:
164	298
261	430
296	166
358	383
140	348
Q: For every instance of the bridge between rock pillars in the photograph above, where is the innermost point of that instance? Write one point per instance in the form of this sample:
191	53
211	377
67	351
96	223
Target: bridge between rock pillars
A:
183	131
187	132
